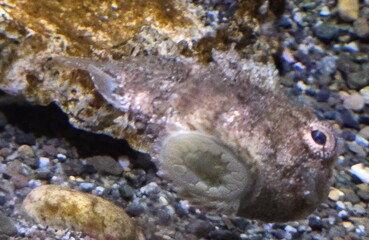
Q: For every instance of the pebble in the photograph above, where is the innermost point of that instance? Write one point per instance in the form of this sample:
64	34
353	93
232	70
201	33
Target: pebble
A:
343	214
43	162
348	225
335	194
348	9
105	164
361	172
364	132
315	222
361	28
25	151
358	80
365	93
359	209
354	101
340	205
357	149
52	205
326	32
361	141
151	188
7	226
325	12
86	187
351	47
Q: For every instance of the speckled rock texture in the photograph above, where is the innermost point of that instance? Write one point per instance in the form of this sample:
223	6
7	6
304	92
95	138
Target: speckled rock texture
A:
54	206
33	32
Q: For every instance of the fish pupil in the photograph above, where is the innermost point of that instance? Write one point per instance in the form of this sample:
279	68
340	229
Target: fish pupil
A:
319	137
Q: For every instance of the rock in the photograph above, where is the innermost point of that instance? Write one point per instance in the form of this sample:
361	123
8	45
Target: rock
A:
326	32
54	206
200	228
348	225
348	135
315	222
365	93
105	164
361	172
354	101
361	28
348	9
7	226
335	194
25	151
356	148
348	119
358	209
32	32
358	80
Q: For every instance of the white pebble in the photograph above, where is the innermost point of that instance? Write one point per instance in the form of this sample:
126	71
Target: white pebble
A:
324	12
43	162
351	47
365	93
340	205
361	172
34	183
354	101
99	191
361	141
61	157
290	229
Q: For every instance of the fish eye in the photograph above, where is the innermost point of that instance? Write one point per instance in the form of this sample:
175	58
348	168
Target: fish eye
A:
319	137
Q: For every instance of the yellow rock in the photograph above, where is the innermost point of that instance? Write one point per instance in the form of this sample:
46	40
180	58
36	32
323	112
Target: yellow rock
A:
54	206
348	9
335	194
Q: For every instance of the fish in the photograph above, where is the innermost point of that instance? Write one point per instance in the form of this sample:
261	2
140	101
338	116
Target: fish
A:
222	133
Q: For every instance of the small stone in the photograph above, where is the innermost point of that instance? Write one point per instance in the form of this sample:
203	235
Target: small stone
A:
340	205
326	32
361	28
25	151
364	132
290	229
43	162
126	191
7	226
358	80
348	9
86	187
105	164
361	141
365	93
354	101
151	188
348	135
343	214
358	209
357	149
328	65
135	209
348	119
361	172
324	11
348	225
363	195
315	222
199	227
351	47
99	191
51	205
223	235
335	194
351	196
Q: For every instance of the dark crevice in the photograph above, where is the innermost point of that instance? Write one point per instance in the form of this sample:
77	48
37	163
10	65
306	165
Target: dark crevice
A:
51	122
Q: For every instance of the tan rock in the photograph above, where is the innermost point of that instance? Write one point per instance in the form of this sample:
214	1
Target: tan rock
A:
348	9
54	206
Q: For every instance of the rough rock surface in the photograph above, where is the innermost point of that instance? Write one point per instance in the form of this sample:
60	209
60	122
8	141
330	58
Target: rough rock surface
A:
54	206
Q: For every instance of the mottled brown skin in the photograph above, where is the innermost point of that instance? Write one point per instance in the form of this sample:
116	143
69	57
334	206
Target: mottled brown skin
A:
258	159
